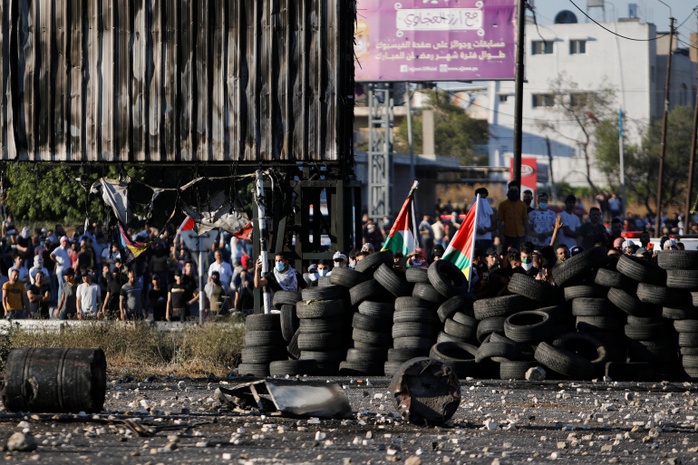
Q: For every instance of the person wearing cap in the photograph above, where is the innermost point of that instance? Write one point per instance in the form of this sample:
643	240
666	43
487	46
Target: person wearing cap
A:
630	247
88	297
417	259
339	260
368	248
14	297
542	222
61	258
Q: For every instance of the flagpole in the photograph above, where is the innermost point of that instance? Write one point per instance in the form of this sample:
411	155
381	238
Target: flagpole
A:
414	187
472	249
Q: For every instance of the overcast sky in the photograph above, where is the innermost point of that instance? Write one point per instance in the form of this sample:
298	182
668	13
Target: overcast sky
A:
651	11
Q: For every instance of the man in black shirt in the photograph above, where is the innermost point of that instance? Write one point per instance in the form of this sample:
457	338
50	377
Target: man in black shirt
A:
176	299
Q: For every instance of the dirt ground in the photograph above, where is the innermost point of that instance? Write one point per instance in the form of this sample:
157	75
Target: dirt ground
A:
498	422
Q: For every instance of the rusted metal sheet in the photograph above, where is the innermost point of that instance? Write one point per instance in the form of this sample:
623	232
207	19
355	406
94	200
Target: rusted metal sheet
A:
244	81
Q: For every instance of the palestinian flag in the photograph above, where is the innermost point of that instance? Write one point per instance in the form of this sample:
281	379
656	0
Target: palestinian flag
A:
130	250
462	247
403	234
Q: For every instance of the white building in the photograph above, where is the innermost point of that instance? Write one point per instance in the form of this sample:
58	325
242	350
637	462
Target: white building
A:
592	57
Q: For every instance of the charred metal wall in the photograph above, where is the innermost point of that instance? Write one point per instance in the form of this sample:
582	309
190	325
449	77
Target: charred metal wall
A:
246	81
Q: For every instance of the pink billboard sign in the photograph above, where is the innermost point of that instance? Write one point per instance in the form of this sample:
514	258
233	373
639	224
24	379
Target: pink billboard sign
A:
435	40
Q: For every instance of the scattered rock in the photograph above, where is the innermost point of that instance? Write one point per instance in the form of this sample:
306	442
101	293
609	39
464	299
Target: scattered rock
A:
22	442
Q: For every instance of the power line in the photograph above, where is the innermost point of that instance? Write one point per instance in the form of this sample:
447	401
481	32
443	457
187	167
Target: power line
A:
615	33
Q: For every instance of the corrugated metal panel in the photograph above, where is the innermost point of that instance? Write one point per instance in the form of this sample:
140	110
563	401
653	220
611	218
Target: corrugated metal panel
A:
245	81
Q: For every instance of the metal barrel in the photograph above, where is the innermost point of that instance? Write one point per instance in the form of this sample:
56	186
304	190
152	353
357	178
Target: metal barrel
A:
55	380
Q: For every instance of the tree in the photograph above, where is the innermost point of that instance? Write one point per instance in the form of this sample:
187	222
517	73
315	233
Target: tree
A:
455	132
585	110
642	163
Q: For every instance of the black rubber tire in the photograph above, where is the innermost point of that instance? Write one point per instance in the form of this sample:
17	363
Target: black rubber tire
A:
283	368
371	262
380	310
414	328
372	338
347	368
428	292
319	341
447	278
370	323
515	369
579	266
256	370
391	281
529	326
501	350
682	279
316	293
416	275
502	306
347	277
458	303
263	322
584	290
564	362
488	326
443	337
647	332
688	340
610	278
457	355
460	330
285	298
367	355
686	313
412	302
292	348
390	368
662	295
403	355
426	315
263	338
324	357
586	346
321	325
686	326
289	321
630	304
538	291
262	354
369	290
413	342
678	259
644	320
641	270
320	309
598	323
590	306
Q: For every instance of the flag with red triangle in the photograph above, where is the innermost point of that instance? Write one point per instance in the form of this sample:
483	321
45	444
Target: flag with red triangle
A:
403	234
462	247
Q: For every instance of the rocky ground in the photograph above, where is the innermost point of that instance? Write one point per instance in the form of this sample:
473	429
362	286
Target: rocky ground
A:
498	422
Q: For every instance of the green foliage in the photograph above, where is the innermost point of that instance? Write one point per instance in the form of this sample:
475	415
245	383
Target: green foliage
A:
455	132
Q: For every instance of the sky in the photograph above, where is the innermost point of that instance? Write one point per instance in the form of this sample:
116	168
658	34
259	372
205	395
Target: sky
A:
651	11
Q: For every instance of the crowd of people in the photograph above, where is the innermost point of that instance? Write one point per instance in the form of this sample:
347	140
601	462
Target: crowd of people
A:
53	274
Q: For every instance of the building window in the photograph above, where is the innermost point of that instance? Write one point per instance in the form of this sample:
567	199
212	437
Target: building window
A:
579	99
541	47
503	97
543	100
578	47
683	95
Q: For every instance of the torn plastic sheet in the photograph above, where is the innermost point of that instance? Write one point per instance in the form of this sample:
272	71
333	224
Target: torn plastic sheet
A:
288	397
221	215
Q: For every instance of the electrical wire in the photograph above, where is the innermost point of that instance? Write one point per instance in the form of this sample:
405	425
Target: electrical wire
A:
615	33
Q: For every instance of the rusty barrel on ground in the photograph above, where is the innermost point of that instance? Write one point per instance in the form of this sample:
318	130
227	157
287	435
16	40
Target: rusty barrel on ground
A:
55	380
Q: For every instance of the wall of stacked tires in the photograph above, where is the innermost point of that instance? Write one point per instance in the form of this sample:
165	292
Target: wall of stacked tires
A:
627	319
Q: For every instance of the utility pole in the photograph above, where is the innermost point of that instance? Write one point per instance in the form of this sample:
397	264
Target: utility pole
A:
662	153
691	164
518	83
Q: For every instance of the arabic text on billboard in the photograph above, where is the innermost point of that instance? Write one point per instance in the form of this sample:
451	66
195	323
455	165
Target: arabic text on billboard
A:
435	40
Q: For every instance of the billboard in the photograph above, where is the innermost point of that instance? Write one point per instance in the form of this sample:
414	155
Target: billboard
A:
529	174
435	40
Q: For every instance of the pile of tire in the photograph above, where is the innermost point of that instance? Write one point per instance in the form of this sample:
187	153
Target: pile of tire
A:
263	345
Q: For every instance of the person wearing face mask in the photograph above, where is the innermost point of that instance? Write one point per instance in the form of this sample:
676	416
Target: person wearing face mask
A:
282	277
340	261
528	200
417	259
512	216
526	254
542	222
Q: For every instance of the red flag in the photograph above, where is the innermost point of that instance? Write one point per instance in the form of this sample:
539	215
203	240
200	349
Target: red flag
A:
245	233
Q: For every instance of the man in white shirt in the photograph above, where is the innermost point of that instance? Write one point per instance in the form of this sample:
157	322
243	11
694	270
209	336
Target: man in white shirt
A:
225	271
542	222
570	223
486	220
88	297
61	257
